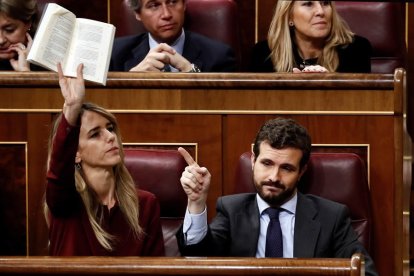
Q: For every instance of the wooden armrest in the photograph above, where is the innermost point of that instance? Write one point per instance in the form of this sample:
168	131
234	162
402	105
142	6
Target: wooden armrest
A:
178	266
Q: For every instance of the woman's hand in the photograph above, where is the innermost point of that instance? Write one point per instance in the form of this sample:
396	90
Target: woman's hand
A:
73	91
311	69
20	63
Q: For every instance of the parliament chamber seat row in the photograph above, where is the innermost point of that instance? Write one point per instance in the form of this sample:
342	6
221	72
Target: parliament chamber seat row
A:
352	110
382	23
215	117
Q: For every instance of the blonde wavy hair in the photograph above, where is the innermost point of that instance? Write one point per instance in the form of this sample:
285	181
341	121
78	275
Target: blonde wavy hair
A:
280	41
125	190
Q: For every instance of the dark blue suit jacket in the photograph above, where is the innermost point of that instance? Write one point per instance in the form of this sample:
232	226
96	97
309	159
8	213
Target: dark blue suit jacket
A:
322	230
209	55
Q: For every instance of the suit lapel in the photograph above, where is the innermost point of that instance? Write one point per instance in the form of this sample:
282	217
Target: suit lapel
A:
247	229
138	53
307	228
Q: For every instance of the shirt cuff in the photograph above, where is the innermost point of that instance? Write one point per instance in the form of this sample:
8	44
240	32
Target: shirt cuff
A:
195	227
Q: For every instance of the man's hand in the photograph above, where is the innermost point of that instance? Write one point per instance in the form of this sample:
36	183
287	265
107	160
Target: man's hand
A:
156	59
195	181
160	56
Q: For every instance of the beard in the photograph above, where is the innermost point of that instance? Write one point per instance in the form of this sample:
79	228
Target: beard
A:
273	199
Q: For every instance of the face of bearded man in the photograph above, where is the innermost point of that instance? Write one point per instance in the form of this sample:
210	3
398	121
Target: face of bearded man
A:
276	173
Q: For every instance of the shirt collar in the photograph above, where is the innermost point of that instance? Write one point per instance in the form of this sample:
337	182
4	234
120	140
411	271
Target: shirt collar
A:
289	206
178	44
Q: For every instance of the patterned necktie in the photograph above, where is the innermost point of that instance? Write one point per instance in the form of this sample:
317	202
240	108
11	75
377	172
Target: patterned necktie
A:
274	242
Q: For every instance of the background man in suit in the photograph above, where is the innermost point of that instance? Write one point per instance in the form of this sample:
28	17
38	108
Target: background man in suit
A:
311	226
166	46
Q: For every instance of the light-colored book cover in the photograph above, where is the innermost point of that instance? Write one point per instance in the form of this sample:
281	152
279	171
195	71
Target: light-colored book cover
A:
61	37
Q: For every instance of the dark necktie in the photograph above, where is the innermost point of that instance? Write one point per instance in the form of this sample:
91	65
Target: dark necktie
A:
166	68
274	242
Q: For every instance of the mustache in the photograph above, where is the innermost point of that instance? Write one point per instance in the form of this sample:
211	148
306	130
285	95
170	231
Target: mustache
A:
276	184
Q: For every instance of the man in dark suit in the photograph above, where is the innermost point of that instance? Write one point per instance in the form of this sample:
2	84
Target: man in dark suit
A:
166	46
310	226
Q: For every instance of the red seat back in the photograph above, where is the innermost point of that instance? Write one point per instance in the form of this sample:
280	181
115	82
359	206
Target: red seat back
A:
383	24
159	171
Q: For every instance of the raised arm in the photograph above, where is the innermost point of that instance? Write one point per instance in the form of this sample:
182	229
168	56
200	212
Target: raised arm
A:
195	181
73	91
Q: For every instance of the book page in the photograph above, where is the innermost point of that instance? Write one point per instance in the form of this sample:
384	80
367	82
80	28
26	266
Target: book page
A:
52	40
91	45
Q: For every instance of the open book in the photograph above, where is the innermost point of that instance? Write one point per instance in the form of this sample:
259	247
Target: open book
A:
61	37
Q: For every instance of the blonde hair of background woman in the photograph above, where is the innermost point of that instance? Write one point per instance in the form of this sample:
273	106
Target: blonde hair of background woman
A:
280	41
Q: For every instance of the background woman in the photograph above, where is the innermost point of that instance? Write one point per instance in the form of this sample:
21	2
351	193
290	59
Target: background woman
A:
93	206
310	36
18	23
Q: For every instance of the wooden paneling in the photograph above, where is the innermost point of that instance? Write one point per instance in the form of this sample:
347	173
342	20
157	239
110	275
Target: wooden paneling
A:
13	184
221	114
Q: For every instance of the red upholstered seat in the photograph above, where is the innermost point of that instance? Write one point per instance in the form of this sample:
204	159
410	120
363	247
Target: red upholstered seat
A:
159	171
216	19
383	24
340	177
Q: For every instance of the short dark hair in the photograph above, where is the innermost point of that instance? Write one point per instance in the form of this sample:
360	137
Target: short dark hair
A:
283	133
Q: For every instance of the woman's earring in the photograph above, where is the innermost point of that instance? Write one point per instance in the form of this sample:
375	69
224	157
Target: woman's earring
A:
291	23
78	166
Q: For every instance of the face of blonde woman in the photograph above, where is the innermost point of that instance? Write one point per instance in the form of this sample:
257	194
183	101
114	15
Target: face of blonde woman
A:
312	20
98	143
12	34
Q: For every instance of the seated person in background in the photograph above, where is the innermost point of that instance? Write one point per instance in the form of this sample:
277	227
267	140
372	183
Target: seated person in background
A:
18	23
166	46
92	204
310	226
310	36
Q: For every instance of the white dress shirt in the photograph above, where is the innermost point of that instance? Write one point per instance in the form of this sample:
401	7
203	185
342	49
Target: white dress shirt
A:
195	226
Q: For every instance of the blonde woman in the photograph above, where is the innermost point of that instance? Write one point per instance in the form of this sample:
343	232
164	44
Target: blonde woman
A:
310	36
93	206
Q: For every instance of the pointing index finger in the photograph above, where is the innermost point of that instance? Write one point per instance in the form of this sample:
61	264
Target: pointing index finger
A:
190	161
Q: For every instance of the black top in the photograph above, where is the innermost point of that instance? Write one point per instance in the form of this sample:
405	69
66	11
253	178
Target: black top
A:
6	66
353	58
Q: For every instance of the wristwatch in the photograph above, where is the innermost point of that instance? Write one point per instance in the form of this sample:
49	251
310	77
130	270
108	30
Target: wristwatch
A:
194	69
